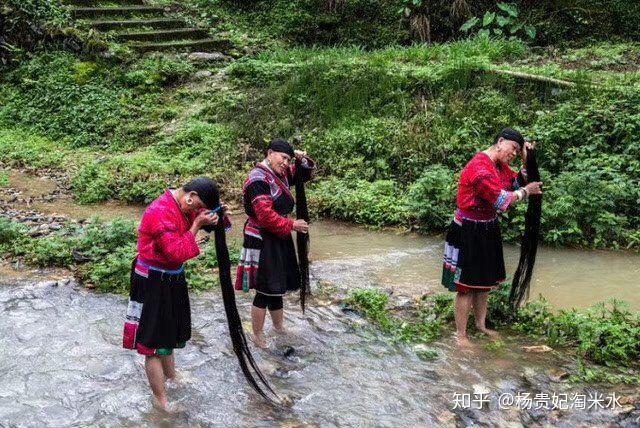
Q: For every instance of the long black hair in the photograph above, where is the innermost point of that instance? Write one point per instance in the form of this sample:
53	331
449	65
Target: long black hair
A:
302	239
529	244
238	338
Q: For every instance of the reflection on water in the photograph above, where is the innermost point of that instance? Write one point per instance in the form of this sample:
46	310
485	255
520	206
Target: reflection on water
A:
411	264
61	364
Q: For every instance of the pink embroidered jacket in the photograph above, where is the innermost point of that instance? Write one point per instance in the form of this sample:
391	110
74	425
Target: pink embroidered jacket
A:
164	239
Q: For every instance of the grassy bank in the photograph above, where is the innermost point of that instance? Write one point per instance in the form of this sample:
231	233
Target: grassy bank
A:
391	127
604	339
99	253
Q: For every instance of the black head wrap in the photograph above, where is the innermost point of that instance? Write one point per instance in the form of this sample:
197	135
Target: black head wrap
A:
512	135
281	146
207	190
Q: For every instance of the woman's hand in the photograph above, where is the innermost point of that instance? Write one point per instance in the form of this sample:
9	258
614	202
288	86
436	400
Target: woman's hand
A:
534	188
301	226
206	218
531	145
299	154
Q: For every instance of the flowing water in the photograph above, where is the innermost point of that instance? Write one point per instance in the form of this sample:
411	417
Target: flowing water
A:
61	364
61	361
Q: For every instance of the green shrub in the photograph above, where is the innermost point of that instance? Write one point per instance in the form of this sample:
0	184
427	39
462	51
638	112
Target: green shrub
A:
21	147
430	197
379	203
74	101
11	235
110	273
28	23
92	183
158	70
371	150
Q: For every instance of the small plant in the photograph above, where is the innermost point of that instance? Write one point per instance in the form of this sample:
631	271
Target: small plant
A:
502	23
4	179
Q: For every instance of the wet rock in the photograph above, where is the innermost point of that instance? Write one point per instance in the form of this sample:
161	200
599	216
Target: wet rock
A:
447	418
79	257
424	352
289	351
537	348
629	399
287	401
34	232
557	375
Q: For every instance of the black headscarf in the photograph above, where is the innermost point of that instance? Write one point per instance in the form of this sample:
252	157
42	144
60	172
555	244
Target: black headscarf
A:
512	135
282	146
207	190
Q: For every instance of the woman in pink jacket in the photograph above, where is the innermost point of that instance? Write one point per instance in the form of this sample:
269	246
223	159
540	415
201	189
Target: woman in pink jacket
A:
158	317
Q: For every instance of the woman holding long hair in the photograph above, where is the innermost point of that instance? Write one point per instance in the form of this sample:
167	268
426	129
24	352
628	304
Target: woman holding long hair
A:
473	260
268	260
158	317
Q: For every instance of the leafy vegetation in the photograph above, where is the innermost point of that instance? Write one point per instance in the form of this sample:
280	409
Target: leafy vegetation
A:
100	253
28	23
391	129
504	22
606	334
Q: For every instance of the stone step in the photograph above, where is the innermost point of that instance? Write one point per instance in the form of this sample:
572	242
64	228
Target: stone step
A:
94	3
92	12
135	23
218	45
164	35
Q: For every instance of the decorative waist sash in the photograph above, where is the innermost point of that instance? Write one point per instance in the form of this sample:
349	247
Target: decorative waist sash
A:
474	215
142	268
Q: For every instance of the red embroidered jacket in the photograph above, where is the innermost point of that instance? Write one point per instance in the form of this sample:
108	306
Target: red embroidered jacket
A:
164	239
486	187
268	199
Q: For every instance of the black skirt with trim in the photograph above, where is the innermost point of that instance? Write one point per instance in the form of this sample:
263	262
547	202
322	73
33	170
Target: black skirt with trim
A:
473	259
165	319
278	271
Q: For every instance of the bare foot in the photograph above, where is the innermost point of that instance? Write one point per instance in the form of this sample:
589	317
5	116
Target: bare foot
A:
491	333
161	404
280	331
260	341
463	341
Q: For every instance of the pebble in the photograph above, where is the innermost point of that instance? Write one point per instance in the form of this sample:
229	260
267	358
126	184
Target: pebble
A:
208	56
202	74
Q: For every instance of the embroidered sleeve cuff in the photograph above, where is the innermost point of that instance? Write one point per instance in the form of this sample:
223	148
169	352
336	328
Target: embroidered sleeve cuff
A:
504	201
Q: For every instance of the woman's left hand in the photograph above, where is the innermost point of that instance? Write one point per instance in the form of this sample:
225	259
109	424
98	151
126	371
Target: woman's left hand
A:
300	154
531	145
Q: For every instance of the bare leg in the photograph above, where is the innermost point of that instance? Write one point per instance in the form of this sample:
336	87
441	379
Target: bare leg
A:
257	322
155	374
480	301
463	306
168	366
277	317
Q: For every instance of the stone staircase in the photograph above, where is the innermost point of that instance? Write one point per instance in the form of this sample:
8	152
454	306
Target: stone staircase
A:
144	27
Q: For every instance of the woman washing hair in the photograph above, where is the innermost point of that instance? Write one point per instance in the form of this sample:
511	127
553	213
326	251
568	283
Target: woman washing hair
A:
473	260
268	260
158	317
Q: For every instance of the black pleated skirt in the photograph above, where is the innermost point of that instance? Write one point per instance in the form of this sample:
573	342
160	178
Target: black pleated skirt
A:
165	318
473	259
